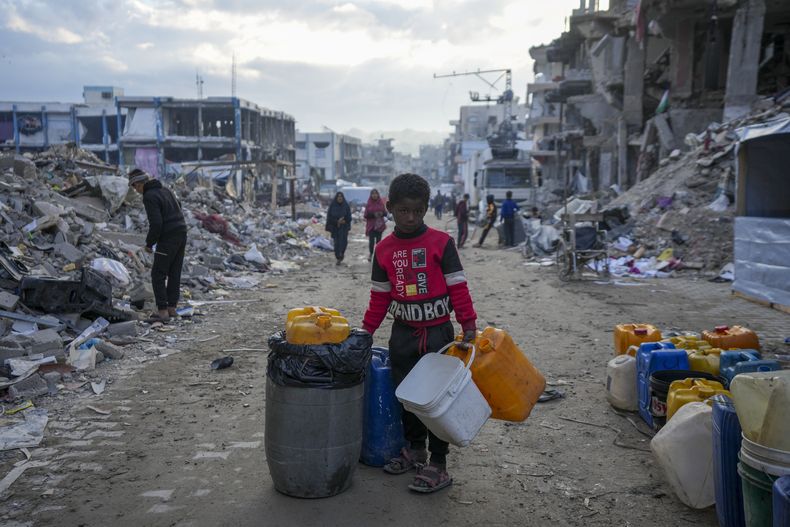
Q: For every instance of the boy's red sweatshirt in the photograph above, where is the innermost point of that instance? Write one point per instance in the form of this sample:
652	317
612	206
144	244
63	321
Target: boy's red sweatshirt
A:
419	279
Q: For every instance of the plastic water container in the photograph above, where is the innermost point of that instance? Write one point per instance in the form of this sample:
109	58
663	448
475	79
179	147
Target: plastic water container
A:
757	489
781	502
756	366
687	391
760	468
650	358
729	359
684	449
706	359
687	342
626	335
382	428
737	337
316	325
660	383
621	383
762	401
507	379
726	445
439	390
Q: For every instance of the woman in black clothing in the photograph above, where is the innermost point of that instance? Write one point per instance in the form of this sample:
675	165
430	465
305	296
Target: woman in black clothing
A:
338	222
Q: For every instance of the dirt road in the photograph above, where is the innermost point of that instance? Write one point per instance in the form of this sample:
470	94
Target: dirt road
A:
184	445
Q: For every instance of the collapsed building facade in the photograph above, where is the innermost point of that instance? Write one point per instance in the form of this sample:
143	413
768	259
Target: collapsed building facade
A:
224	137
621	89
326	157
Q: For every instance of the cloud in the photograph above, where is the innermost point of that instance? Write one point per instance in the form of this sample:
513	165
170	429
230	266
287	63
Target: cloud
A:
343	63
59	35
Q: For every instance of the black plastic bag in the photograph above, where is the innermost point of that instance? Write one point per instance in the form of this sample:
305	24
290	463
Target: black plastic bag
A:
319	365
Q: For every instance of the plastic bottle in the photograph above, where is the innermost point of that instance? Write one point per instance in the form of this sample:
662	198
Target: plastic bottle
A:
762	400
621	383
706	360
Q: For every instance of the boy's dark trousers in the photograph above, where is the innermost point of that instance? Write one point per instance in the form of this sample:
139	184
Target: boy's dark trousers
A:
463	232
405	346
510	227
487	228
166	271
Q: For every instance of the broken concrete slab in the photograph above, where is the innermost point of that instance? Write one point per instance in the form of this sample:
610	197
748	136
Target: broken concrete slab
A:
44	341
665	134
43	208
120	329
31	387
69	252
82	208
8	302
110	350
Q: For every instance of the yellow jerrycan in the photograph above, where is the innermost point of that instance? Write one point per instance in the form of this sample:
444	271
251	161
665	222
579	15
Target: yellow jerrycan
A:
706	359
316	325
627	335
691	391
507	379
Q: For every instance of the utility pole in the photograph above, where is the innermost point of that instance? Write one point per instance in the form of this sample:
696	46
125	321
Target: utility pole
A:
233	76
199	84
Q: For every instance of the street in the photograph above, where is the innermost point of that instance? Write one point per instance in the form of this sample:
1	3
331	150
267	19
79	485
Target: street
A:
183	445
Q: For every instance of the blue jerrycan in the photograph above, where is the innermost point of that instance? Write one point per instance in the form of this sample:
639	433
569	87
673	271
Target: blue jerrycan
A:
382	429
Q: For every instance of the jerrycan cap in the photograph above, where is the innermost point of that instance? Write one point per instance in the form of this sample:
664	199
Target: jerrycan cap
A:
640	331
722	329
323	321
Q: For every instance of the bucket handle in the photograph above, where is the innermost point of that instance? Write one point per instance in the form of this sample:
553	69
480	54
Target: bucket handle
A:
471	355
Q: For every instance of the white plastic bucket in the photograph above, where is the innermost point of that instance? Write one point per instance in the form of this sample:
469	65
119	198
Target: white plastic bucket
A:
768	460
440	392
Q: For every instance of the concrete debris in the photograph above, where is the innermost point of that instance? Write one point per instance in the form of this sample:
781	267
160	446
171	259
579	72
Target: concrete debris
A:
74	275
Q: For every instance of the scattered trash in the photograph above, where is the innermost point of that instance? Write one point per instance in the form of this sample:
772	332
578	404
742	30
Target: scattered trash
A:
98	387
27	433
221	364
550	395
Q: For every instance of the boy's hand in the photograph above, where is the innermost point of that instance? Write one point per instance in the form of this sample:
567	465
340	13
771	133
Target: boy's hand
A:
469	337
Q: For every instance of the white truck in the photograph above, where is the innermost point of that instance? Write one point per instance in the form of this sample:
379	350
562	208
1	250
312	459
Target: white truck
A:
484	175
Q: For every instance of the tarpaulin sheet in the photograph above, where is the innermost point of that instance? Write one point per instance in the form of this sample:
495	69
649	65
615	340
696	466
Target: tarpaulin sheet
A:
762	259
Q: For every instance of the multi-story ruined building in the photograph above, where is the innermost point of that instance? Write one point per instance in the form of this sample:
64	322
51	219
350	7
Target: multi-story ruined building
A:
629	83
327	156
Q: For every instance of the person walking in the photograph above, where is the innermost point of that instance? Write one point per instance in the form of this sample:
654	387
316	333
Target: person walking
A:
438	204
509	208
418	278
490	218
462	217
375	220
166	239
338	223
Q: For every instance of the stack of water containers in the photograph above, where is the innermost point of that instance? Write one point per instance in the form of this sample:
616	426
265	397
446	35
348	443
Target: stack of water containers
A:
680	385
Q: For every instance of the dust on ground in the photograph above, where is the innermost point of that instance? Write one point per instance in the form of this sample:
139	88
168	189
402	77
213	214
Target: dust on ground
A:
183	445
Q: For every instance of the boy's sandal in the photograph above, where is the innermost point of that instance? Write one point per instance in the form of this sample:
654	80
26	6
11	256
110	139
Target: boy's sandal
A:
429	479
406	461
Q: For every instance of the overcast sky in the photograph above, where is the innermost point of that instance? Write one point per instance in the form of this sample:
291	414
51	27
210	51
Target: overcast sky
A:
364	64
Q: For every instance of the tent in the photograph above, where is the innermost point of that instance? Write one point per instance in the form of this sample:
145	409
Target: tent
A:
762	223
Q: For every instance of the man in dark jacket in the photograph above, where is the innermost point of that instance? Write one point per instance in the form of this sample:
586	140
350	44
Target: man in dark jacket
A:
167	239
462	217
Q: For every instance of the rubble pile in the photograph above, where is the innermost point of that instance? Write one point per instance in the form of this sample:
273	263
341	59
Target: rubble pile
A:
686	206
73	265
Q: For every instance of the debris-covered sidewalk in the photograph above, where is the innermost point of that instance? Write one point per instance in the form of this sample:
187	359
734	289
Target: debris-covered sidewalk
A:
75	280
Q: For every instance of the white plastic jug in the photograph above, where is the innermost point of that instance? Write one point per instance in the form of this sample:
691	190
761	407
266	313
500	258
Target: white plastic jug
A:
762	401
684	448
439	390
621	383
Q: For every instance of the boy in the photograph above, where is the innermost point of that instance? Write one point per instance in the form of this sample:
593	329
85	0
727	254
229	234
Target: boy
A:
509	208
417	276
490	218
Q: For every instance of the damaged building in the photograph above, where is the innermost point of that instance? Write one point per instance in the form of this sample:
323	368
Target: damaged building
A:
326	157
160	133
92	125
622	88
